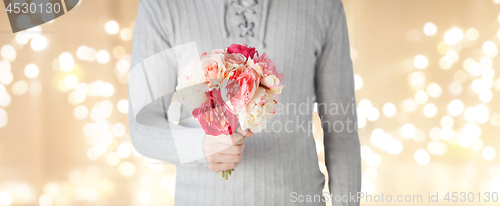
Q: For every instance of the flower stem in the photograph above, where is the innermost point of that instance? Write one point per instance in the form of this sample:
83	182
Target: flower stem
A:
226	173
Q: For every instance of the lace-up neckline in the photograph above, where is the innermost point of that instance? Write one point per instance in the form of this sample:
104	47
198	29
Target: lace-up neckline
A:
245	8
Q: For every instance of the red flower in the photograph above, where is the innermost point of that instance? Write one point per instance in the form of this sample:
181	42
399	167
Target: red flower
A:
243	49
214	116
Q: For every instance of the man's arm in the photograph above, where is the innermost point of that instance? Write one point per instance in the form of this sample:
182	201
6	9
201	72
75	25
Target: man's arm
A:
334	84
152	135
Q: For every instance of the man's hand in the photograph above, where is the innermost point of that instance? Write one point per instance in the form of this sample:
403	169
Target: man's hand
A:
224	152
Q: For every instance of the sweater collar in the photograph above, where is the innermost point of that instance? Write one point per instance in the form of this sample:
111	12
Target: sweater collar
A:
245	8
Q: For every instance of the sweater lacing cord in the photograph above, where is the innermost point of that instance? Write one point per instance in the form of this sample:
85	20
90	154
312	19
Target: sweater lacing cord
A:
242	8
246	28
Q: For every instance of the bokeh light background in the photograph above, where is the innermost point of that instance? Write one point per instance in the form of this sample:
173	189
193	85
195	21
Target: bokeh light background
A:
427	88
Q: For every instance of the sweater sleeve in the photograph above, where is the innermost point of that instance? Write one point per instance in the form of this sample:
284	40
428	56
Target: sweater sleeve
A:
334	86
152	82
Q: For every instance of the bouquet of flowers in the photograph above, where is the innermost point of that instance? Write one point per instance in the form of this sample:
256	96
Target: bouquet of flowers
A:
228	87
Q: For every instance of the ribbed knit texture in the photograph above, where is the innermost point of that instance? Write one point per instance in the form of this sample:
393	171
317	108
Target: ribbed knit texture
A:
308	41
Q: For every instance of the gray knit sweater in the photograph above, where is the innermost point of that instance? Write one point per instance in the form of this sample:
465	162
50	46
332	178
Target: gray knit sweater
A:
309	43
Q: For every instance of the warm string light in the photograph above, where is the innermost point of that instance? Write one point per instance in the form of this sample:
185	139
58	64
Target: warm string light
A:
107	142
482	83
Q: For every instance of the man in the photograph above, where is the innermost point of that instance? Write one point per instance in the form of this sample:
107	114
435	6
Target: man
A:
308	41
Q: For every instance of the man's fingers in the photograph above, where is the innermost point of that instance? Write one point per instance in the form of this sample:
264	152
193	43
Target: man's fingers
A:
241	131
234	150
240	139
246	133
235	138
222	166
226	139
223	158
249	133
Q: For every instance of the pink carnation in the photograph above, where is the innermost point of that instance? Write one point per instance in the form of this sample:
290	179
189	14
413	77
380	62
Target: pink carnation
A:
268	67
